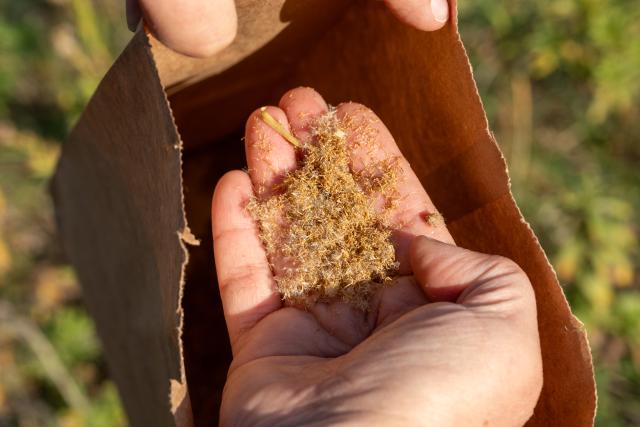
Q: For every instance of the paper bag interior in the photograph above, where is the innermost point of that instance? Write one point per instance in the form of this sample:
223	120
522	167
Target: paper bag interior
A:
421	86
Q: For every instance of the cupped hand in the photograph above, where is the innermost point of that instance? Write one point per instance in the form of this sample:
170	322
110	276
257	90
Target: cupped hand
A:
203	27
452	342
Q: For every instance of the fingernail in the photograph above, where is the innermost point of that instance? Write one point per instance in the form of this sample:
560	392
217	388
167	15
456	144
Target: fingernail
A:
440	10
134	14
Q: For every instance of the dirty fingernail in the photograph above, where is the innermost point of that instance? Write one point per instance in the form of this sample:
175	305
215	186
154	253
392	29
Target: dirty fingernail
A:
134	14
440	10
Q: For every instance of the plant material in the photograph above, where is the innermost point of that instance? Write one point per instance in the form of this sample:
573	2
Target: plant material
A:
434	219
275	125
325	237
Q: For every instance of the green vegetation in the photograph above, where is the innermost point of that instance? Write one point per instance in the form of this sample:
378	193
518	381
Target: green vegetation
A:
561	84
52	372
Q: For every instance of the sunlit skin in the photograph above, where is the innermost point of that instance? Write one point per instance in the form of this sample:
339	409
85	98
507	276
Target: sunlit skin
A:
453	342
204	27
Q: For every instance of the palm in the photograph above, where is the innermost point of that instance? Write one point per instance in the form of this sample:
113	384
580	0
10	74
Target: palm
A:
281	353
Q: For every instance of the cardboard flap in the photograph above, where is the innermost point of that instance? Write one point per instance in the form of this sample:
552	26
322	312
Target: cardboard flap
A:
118	196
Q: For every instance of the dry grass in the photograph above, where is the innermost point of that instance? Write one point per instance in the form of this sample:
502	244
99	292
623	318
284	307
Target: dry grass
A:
325	237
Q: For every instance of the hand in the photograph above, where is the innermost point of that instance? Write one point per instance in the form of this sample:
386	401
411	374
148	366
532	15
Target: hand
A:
204	27
453	342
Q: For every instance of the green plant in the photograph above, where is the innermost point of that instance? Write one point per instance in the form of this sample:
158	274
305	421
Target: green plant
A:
53	55
561	82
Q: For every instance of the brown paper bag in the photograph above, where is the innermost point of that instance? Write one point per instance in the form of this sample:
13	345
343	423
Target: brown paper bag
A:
136	178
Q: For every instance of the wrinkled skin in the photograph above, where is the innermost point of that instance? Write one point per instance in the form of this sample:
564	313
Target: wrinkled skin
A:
454	342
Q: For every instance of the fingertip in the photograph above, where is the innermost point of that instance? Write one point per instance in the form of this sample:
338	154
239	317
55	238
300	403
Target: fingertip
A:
208	44
232	181
192	27
440	12
350	107
308	95
424	15
302	106
256	122
269	155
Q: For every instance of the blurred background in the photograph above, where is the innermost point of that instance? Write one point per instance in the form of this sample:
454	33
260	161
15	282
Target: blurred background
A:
561	85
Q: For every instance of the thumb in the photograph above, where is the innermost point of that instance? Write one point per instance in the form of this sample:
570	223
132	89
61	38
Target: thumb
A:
196	28
450	273
424	15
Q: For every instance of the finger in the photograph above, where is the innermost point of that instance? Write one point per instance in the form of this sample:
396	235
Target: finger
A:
269	155
247	288
426	15
370	144
192	27
449	273
302	106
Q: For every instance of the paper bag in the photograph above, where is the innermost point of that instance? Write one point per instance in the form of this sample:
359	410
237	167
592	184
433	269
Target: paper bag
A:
134	183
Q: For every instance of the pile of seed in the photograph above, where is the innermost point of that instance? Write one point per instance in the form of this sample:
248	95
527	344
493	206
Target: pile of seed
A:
325	238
